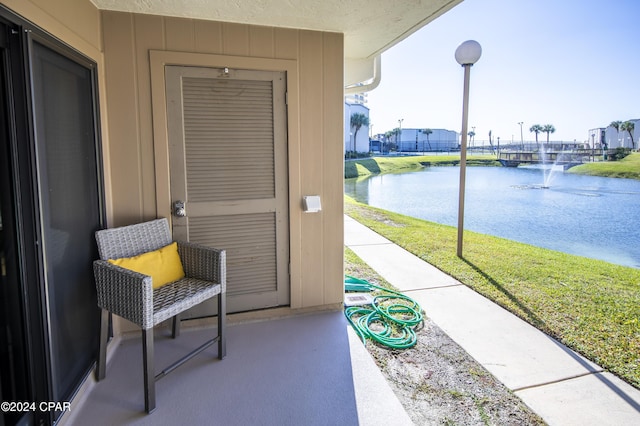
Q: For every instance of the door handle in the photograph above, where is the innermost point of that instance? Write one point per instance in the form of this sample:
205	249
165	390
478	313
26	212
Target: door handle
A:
178	209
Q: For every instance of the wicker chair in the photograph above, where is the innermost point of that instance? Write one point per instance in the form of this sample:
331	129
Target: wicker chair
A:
130	294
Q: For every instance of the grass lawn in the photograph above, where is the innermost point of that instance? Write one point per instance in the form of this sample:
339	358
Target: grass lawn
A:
590	305
375	165
628	167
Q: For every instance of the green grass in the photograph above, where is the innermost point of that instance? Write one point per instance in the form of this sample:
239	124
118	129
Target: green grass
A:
628	167
590	305
376	165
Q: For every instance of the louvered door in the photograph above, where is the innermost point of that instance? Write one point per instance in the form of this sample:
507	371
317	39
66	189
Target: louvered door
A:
228	163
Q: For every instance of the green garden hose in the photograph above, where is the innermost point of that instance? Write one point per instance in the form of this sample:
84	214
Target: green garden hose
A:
390	320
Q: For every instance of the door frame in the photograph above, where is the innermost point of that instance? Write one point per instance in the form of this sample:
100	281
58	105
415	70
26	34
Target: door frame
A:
158	60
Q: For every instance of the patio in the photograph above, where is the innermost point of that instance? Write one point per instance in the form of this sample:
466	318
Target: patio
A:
306	369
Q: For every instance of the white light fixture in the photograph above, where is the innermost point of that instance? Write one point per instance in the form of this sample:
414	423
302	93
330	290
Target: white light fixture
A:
311	203
467	54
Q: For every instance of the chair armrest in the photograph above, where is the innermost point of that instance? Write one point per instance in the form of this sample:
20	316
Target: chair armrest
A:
204	263
126	293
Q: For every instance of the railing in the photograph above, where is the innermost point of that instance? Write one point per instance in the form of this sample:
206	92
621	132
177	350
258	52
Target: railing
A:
572	157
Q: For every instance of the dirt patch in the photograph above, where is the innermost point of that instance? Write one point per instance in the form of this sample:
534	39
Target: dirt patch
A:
438	383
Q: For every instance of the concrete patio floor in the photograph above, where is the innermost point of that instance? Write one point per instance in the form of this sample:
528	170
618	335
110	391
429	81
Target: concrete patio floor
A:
306	369
311	369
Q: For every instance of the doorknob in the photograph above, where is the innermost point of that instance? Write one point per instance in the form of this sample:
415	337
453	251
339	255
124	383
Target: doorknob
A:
178	209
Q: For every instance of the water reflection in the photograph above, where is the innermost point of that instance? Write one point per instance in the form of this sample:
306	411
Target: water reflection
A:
583	215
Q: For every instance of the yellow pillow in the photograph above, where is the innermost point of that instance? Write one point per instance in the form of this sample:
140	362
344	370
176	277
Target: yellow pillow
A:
162	265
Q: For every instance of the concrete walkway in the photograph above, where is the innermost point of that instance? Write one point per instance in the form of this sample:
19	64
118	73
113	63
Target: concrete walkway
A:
561	386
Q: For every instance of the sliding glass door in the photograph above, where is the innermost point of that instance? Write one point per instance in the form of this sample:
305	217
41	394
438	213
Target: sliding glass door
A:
70	209
50	206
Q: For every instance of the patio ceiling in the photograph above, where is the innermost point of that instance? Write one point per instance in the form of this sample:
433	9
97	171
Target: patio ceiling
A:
369	26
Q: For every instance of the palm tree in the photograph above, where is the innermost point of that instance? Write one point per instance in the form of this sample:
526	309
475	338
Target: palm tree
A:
491	142
616	125
471	135
358	120
629	126
536	128
548	128
398	133
428	132
389	134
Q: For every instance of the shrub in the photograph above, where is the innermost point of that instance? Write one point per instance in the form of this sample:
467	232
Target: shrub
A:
619	154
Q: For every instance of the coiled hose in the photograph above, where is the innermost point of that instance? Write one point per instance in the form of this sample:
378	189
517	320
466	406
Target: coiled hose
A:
391	320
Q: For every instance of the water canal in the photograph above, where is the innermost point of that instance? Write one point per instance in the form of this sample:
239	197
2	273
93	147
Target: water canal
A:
583	215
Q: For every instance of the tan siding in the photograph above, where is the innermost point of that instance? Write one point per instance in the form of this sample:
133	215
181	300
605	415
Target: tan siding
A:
333	184
235	39
311	123
124	141
149	35
208	37
314	124
286	43
261	42
80	15
180	35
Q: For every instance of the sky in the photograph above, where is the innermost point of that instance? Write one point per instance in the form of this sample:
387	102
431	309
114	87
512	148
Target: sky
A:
573	64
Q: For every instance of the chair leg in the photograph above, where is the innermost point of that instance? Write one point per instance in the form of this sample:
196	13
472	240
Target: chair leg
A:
149	371
101	364
175	328
222	333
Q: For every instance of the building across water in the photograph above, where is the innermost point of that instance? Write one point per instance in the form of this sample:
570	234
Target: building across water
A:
416	140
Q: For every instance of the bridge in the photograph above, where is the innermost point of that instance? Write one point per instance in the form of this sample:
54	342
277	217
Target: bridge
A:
566	159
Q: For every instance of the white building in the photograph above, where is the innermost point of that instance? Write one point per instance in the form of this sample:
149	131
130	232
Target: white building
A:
614	138
357	98
362	135
416	140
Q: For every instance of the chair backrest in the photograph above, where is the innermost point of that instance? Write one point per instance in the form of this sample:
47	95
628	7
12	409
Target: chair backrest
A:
132	240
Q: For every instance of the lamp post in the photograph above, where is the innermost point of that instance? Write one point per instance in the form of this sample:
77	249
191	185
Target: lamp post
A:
466	55
521	136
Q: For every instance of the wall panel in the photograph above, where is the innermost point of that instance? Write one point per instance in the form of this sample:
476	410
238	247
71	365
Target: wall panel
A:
332	154
286	43
179	35
208	37
312	163
314	126
124	140
149	34
261	42
235	39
